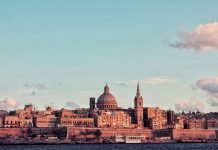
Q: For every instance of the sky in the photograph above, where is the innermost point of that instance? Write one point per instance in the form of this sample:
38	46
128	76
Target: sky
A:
61	53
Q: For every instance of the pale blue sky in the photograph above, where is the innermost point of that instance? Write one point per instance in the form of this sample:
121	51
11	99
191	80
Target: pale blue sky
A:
74	47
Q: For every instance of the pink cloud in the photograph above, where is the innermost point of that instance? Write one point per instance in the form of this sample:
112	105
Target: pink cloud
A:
8	103
203	38
189	105
210	86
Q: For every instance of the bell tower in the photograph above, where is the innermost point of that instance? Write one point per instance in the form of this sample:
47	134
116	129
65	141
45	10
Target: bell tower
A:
138	103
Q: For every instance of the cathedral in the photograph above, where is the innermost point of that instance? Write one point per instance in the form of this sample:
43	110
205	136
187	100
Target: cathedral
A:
106	112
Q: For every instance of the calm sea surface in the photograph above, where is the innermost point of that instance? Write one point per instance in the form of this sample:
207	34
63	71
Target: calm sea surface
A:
180	146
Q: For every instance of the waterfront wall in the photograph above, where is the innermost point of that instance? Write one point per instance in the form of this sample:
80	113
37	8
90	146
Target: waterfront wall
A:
178	134
194	134
161	133
71	132
19	132
59	132
107	132
11	132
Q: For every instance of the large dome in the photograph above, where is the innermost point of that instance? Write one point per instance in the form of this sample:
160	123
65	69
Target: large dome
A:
107	100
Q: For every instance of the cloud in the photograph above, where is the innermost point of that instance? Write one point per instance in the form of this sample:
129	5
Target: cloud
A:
39	86
122	83
33	89
8	104
192	105
162	80
72	105
213	102
203	38
159	80
193	87
210	86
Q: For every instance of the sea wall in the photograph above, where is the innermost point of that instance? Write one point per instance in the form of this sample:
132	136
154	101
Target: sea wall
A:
19	132
11	132
178	134
71	132
194	134
161	133
107	132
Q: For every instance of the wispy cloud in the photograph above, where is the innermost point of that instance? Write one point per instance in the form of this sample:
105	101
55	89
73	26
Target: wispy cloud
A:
213	102
71	105
122	83
32	89
189	105
159	80
39	86
210	86
203	38
162	80
8	104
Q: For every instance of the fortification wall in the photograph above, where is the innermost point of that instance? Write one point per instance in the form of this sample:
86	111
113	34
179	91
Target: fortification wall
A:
158	133
61	132
107	132
193	134
11	132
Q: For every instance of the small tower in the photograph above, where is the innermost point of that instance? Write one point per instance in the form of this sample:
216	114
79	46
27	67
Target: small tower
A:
92	103
170	117
138	103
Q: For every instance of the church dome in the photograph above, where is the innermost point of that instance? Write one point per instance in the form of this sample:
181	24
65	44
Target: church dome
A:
107	100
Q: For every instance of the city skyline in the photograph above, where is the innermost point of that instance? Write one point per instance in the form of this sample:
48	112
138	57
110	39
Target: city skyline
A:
62	53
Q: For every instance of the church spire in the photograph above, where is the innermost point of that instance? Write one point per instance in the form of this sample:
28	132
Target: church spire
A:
138	103
138	90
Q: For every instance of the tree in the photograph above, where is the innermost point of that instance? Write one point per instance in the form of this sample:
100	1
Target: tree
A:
98	133
85	133
23	132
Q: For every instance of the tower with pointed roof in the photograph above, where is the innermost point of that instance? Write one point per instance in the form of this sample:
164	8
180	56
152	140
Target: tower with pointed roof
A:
138	103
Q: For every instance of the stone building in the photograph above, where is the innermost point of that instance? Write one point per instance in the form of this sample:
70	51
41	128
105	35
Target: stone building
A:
212	124
76	122
179	123
12	121
76	118
20	118
45	121
113	119
194	123
155	118
170	117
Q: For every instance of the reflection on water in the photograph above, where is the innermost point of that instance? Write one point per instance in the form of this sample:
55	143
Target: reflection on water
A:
177	146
